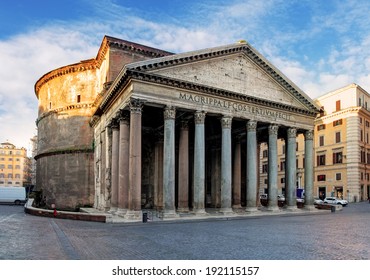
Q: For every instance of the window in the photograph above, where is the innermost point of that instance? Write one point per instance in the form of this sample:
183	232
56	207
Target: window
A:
361	135
10	166
282	180
10	176
337	137
321	127
363	156
321	178
337	158
2	175
338	176
359	102
17	167
264	168
367	124
321	140
320	160
10	159
297	146
17	176
2	159
264	153
78	98
337	105
2	166
337	122
282	165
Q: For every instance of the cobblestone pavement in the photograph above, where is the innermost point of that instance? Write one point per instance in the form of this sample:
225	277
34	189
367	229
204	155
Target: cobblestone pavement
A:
325	236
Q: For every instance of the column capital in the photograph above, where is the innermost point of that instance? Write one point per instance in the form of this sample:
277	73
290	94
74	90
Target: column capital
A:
308	135
226	122
251	125
123	116
184	125
199	117
136	105
114	124
169	113
273	129
292	132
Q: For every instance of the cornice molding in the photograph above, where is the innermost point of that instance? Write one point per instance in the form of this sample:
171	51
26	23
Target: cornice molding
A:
339	113
65	108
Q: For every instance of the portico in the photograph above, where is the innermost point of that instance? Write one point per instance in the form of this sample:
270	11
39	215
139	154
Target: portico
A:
185	131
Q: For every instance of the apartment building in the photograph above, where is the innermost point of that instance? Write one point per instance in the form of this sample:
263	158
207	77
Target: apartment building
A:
13	162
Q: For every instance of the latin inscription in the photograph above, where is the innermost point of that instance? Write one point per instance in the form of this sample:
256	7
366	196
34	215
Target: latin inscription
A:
236	106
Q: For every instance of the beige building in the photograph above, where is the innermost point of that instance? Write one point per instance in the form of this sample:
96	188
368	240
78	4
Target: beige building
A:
342	148
13	165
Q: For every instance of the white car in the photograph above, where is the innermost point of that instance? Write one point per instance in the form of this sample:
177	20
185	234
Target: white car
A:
335	200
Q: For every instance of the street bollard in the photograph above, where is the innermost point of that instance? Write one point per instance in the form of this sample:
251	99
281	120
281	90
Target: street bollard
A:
333	209
145	217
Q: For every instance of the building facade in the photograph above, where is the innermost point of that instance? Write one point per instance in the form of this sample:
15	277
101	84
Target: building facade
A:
177	133
341	144
181	133
13	165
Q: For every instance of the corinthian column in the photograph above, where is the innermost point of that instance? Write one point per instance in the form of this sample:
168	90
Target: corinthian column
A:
123	162
237	174
114	179
199	164
183	194
169	162
226	166
308	170
134	202
272	168
251	166
291	169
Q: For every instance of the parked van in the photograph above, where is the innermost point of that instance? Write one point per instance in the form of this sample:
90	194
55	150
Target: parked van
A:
16	195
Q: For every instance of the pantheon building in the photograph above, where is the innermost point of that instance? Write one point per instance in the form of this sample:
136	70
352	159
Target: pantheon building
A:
140	128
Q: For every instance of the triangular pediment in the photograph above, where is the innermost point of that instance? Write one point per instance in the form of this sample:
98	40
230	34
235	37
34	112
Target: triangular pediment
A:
235	68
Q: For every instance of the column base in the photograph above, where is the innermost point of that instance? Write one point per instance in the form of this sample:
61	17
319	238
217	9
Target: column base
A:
309	208
183	209
133	215
237	206
169	214
290	208
200	212
273	209
121	212
113	210
251	209
227	211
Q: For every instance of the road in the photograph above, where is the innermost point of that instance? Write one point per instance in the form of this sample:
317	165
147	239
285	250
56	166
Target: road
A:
343	235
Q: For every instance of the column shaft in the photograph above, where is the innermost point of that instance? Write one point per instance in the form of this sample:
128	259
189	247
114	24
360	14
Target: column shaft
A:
158	173
308	166
226	165
123	181
115	156
237	175
134	203
291	169
169	162
183	179
199	164
272	168
251	166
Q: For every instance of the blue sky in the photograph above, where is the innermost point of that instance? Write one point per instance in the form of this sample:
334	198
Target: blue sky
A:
319	45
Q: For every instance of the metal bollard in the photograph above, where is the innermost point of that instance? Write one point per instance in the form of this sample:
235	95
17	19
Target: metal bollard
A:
333	209
145	217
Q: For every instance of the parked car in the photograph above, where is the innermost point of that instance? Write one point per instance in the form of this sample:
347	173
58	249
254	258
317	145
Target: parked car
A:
335	200
317	200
